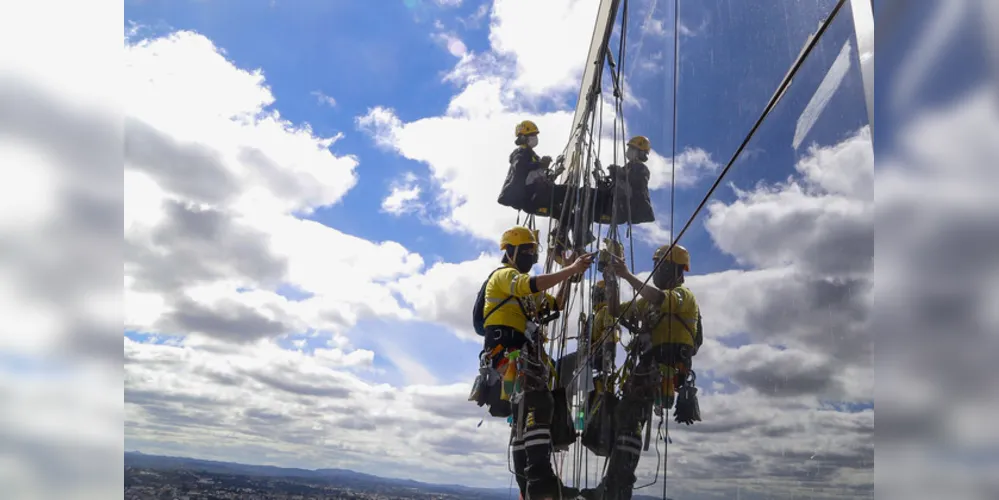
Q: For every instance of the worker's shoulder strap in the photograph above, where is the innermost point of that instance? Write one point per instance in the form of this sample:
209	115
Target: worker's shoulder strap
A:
695	332
502	302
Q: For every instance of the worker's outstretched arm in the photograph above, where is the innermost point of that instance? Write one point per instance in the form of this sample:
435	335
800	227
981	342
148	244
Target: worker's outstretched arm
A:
651	294
546	281
563	290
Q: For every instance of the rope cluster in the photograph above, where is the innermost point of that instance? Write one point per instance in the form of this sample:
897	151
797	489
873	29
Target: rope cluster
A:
583	158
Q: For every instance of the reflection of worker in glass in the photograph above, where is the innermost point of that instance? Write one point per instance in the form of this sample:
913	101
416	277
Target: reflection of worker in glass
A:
667	323
630	186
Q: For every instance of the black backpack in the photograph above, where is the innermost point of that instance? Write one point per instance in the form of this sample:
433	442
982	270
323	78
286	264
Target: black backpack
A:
478	320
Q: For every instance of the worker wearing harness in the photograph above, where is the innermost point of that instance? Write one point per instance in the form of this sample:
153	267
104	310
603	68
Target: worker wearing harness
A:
666	327
527	186
513	298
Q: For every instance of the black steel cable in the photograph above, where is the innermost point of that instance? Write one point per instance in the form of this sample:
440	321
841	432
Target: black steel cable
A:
672	197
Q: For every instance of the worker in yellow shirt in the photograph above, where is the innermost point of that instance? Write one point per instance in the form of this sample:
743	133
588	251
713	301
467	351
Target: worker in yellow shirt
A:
514	302
605	334
665	323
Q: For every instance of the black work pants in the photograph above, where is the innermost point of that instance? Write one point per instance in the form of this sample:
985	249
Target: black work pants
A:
532	451
630	416
533	415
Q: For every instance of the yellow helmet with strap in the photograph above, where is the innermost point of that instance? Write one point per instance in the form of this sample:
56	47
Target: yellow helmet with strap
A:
678	255
641	143
518	235
526	127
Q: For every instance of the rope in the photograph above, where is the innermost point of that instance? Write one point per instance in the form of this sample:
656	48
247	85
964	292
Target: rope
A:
672	204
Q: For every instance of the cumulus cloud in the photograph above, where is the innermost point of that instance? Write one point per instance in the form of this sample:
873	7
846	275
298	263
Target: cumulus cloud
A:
214	178
445	292
212	239
401	199
297	407
547	64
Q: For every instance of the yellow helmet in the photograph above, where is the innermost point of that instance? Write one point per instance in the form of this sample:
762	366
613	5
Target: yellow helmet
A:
678	255
641	143
526	127
518	235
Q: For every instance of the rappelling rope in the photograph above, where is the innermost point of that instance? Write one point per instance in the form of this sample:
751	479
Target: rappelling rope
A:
672	211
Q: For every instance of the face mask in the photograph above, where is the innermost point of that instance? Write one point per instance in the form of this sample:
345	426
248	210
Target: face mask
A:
532	141
635	155
662	279
524	260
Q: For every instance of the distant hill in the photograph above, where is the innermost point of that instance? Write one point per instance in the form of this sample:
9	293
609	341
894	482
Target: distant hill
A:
340	476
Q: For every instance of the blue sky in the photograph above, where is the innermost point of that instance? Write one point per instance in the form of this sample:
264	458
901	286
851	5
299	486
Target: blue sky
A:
332	64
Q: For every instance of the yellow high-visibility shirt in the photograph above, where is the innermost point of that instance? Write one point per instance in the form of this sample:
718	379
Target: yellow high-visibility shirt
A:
602	320
671	330
509	281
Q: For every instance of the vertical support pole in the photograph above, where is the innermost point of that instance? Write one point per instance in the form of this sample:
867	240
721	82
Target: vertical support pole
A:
863	24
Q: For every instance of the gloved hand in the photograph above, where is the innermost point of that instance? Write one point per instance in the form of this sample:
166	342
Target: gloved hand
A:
687	410
545	161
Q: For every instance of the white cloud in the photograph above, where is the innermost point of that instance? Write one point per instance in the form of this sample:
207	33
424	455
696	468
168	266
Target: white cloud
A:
446	291
692	164
472	21
323	98
654	233
214	176
404	196
381	124
297	407
543	48
653	26
764	227
936	271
